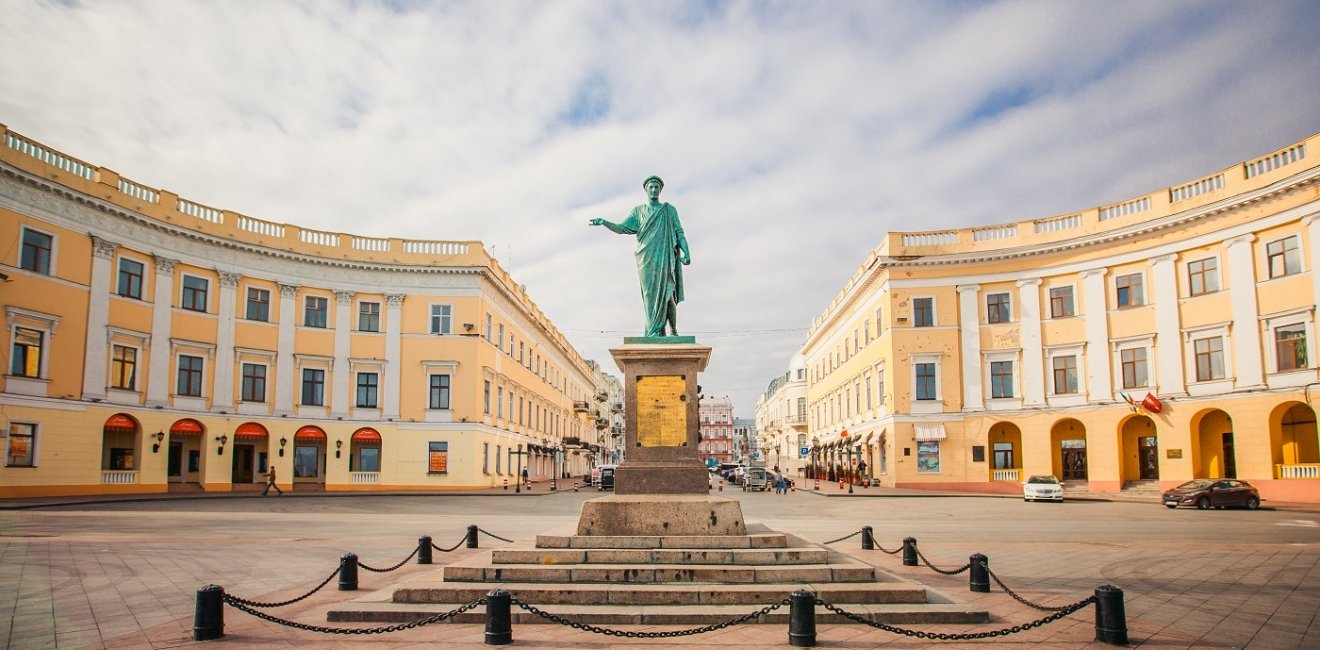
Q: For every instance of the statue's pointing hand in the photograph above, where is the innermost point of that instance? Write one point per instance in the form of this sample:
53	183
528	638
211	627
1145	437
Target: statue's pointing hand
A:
596	222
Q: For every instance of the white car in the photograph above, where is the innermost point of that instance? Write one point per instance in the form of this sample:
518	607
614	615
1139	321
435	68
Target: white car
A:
1042	488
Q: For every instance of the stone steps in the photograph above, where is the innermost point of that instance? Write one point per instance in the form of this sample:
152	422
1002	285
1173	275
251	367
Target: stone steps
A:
751	540
738	556
484	571
660	594
894	614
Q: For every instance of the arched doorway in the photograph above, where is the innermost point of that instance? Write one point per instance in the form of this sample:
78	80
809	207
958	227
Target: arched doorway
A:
251	445
309	455
1294	446
184	452
121	449
1212	445
1139	449
1068	442
364	456
1005	442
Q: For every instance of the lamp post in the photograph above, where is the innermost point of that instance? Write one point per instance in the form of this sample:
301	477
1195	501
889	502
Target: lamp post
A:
851	476
518	477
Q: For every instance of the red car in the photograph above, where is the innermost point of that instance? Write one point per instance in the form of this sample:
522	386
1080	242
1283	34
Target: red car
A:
1205	493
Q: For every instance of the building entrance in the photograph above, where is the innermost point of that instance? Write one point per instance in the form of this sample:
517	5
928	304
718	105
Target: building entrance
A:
1148	457
1230	461
243	463
174	465
1074	464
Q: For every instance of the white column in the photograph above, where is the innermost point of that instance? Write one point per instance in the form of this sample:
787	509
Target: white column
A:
162	308
969	327
343	373
285	388
98	317
222	396
390	377
1098	383
1033	356
1247	360
1168	328
1312	223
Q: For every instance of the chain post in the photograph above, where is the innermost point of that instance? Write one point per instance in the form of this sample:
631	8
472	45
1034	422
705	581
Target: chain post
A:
868	542
499	622
424	549
472	536
209	613
979	580
1110	616
348	565
909	551
802	619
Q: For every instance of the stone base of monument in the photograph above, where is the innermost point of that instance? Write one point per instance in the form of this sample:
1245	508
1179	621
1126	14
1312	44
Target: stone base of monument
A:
663	580
634	515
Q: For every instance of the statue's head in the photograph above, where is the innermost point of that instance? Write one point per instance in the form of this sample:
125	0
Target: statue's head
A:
653	185
653	179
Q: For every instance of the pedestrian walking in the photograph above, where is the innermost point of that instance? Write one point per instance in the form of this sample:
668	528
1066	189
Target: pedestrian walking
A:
270	483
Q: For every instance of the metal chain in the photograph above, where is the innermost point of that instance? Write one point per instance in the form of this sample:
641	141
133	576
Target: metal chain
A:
943	571
1043	608
648	635
253	603
941	636
446	550
884	550
495	536
844	537
233	602
401	562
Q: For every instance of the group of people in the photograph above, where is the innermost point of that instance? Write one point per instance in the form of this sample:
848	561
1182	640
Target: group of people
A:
781	482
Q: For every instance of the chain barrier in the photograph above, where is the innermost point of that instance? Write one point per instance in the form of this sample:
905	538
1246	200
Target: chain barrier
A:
648	635
946	572
252	603
451	548
886	551
486	532
1043	608
968	636
236	604
401	562
844	537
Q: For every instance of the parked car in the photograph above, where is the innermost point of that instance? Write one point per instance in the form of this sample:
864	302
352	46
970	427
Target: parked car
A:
755	478
1205	493
606	477
1042	487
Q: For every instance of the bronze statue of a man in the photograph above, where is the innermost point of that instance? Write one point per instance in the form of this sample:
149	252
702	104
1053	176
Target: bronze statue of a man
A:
661	252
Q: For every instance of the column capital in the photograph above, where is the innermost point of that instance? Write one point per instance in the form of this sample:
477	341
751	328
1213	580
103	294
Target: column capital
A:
1310	219
103	248
287	290
394	299
165	265
969	288
344	297
229	278
1028	282
1088	273
1240	239
1164	259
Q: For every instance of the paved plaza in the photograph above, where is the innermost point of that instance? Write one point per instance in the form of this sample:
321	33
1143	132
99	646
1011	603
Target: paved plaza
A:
124	574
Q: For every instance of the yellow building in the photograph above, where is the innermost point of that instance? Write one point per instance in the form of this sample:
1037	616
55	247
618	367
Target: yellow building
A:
972	358
157	344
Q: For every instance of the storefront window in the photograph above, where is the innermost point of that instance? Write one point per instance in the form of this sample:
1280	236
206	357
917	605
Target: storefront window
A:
304	462
21	437
928	456
370	459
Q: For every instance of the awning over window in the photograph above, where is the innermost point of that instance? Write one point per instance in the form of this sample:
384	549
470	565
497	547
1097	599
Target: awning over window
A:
867	439
927	432
250	430
309	433
366	435
184	428
120	422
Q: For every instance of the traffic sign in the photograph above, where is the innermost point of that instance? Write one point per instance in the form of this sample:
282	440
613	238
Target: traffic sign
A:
804	452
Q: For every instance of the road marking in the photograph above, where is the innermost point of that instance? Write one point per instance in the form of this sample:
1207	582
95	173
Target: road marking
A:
1304	523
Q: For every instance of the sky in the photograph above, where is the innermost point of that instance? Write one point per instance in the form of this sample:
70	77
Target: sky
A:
791	135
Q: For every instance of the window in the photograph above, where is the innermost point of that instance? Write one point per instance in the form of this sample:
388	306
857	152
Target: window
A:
370	459
1001	379
1129	290
1209	358
880	383
499	453
190	376
1065	374
254	382
499	401
926	381
437	458
997	308
367	385
1203	276
1061	302
130	278
1284	257
28	347
315	313
123	367
306	461
441	319
1133	362
37	247
928	456
490	328
499	342
521	349
194	293
22	442
313	387
923	312
368	317
1290	346
485	458
258	304
439	394
1003	455
485	398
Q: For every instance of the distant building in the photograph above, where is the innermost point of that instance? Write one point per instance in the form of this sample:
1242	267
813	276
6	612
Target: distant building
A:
716	425
781	418
744	439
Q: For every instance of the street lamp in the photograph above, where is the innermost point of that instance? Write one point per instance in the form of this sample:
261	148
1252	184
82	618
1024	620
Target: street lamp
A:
850	469
518	477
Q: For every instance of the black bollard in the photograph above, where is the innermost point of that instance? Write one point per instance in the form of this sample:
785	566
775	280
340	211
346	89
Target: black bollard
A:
424	550
909	551
348	572
499	623
472	536
802	619
980	573
209	614
1110	617
868	542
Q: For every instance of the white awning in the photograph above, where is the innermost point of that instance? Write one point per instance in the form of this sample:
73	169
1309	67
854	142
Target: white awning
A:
926	432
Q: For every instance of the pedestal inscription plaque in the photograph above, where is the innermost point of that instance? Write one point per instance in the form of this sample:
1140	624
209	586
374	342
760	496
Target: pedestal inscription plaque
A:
661	411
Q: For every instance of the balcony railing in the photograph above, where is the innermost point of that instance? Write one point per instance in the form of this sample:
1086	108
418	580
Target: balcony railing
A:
1310	470
617	407
795	420
581	407
602	396
1013	475
357	478
119	477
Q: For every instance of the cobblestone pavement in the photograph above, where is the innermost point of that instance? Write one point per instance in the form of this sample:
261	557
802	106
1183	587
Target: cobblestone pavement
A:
125	574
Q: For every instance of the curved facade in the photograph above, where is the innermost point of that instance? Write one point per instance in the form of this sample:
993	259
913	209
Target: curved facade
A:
1129	346
158	344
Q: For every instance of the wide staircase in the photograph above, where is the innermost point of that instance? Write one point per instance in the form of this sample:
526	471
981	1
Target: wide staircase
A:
662	580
